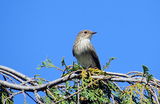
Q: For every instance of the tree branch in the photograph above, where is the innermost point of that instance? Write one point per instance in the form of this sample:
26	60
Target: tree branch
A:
31	85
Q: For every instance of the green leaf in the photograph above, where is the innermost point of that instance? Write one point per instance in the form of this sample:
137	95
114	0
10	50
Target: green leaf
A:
109	62
150	77
63	62
146	73
145	69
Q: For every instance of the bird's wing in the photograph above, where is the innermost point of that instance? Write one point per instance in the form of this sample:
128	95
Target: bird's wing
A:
95	58
73	52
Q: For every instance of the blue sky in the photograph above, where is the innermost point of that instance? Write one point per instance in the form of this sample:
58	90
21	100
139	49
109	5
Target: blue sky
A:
32	30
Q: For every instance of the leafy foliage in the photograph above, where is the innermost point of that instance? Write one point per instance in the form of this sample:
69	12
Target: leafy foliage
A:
88	89
4	93
97	91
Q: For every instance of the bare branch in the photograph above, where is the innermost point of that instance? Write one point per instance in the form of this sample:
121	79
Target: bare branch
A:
18	74
37	97
31	85
39	87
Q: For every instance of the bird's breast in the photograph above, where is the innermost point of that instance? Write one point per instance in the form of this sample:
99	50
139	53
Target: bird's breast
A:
82	46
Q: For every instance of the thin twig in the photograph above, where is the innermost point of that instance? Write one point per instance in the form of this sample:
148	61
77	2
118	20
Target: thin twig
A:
10	74
7	77
18	74
77	91
30	97
37	97
11	96
112	99
25	101
78	95
154	94
51	95
134	72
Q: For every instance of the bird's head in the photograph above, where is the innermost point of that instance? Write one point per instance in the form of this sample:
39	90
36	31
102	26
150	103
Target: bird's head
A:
86	34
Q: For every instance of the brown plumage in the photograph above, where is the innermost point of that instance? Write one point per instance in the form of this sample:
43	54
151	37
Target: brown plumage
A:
84	51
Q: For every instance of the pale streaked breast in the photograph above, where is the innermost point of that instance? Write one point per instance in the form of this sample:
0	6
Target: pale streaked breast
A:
82	46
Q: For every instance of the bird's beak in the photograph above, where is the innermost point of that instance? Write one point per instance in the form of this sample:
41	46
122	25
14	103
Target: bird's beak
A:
94	33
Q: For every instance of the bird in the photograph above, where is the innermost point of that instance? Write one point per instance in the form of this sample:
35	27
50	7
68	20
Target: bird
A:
84	51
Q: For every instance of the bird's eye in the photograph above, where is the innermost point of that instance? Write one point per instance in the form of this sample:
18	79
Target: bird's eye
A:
85	32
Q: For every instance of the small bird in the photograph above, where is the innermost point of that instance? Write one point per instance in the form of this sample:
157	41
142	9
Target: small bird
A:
84	51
